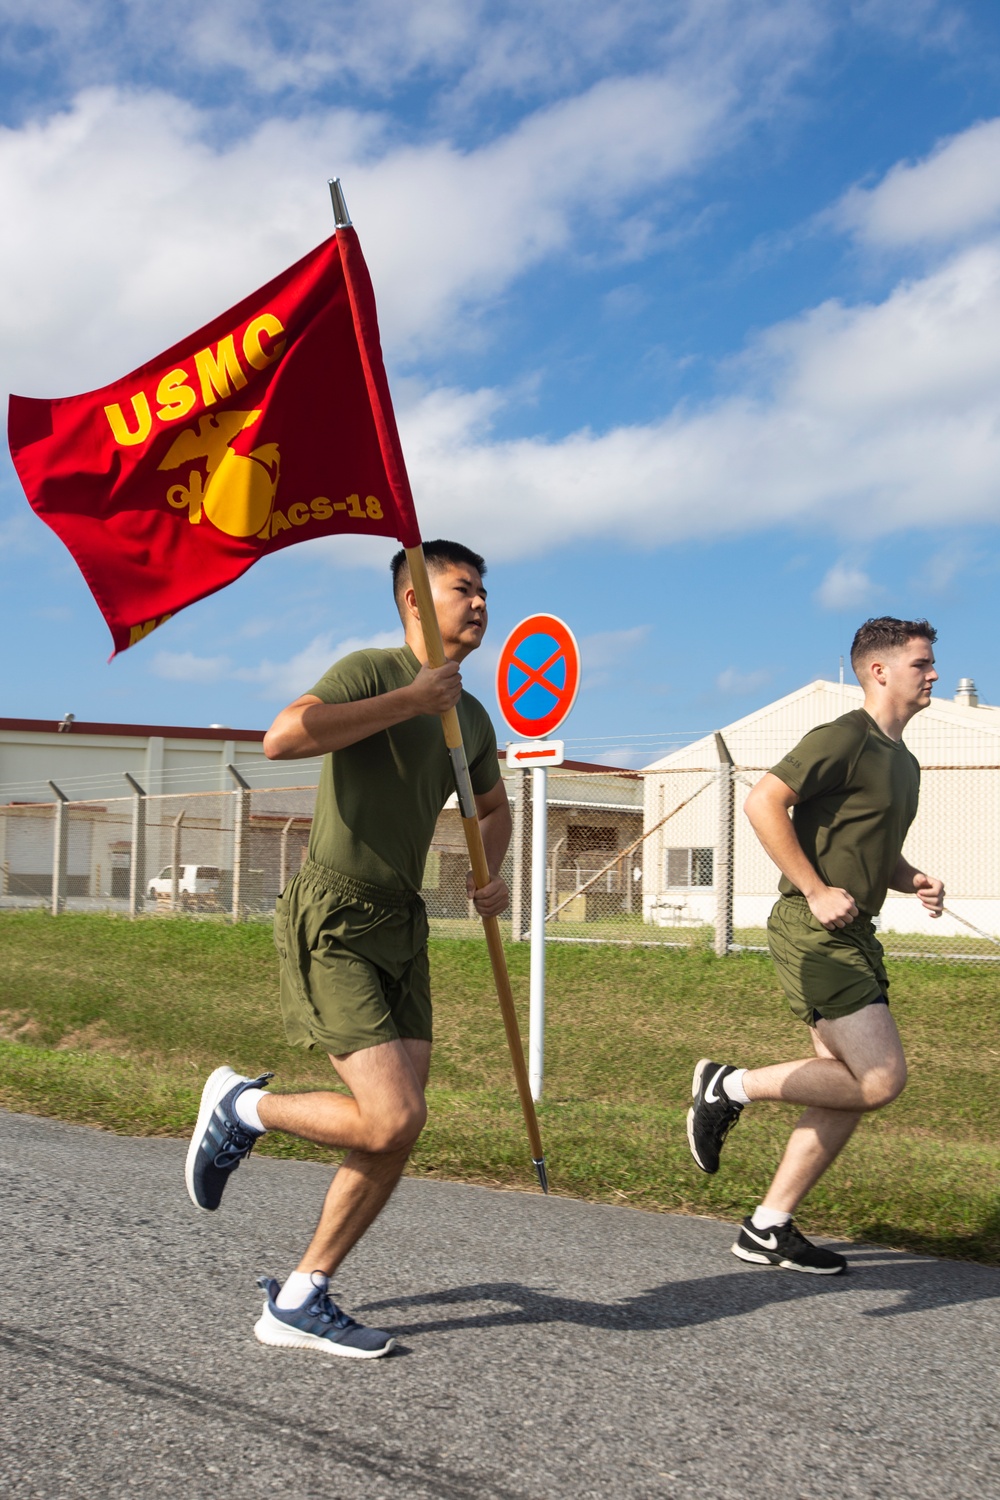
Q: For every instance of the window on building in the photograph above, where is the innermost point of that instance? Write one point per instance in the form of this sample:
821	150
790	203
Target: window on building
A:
690	867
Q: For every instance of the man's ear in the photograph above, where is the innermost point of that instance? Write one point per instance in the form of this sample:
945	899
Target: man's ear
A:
410	601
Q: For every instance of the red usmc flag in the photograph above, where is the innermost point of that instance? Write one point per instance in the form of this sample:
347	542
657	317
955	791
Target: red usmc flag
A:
270	425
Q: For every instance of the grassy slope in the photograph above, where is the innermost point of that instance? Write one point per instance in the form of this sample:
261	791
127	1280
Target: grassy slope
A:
114	1023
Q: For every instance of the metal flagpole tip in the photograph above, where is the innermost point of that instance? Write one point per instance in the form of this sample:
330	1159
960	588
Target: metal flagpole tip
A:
543	1177
341	217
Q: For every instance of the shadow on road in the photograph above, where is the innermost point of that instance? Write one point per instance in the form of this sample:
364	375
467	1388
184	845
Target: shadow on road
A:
913	1285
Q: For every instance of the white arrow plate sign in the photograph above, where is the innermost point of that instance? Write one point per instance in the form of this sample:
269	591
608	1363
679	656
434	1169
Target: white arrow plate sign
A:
527	753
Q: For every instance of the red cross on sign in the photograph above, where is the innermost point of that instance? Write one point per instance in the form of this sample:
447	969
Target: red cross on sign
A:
538	675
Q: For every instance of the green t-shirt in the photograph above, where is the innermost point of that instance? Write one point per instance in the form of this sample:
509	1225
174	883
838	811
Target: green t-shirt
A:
379	799
859	792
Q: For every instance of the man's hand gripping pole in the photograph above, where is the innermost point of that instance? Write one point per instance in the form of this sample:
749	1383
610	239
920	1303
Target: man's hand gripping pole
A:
477	856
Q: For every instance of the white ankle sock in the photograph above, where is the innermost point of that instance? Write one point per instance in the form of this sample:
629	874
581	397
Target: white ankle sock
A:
732	1087
300	1285
246	1108
768	1218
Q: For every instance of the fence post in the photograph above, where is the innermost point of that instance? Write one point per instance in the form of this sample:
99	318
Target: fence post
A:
175	860
241	827
724	851
60	850
137	869
517	877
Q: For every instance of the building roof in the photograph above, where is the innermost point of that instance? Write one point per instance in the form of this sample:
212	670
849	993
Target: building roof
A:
133	731
214	732
946	733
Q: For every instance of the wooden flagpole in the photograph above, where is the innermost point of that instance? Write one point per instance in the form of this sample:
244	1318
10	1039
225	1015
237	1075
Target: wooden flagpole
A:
434	647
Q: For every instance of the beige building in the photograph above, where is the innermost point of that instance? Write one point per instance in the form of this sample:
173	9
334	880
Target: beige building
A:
195	813
956	834
181	769
89	760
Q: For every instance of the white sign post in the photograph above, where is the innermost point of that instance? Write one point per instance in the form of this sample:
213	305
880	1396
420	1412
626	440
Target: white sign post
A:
539	901
537	754
538	675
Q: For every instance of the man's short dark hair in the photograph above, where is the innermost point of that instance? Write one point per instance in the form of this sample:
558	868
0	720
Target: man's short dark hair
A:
438	555
886	633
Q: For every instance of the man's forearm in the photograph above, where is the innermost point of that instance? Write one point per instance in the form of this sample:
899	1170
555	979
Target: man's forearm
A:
903	876
305	730
496	829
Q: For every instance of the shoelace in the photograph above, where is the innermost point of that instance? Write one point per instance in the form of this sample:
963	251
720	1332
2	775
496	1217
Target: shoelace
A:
238	1145
323	1307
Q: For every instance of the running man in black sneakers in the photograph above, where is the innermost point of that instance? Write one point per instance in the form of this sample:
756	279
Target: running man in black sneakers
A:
832	815
351	932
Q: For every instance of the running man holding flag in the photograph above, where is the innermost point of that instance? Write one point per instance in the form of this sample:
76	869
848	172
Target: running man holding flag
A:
274	424
351	932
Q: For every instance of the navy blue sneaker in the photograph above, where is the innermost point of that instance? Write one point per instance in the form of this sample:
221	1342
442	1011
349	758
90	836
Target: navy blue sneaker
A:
318	1324
221	1140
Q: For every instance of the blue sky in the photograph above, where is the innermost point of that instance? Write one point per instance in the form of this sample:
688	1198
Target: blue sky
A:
691	311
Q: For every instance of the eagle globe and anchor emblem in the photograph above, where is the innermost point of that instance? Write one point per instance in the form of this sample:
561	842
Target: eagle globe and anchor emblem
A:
237	490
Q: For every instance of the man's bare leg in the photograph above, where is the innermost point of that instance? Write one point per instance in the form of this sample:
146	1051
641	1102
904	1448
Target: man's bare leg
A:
859	1062
860	1068
817	1140
378	1125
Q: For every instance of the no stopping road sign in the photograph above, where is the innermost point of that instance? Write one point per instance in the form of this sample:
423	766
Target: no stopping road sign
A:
538	675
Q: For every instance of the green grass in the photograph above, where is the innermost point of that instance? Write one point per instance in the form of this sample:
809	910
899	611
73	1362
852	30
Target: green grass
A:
114	1023
621	928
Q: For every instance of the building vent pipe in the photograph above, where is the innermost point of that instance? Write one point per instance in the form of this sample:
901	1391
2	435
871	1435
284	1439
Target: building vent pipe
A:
966	694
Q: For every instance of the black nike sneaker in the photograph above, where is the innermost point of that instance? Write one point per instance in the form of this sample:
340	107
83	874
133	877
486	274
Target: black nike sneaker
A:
787	1248
712	1115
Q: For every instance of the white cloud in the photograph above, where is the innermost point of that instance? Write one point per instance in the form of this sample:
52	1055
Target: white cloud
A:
625	757
133	215
469	50
625	301
856	421
19	536
278	681
846	586
932	22
185	666
947	563
950	194
283	681
128	225
739	683
609	648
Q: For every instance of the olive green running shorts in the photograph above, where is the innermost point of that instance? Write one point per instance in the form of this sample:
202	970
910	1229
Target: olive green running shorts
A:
825	975
354	968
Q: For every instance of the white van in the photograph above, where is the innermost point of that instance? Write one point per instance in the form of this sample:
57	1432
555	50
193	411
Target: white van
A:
192	880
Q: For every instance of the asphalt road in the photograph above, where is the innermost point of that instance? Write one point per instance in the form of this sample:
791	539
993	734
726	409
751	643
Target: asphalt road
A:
548	1348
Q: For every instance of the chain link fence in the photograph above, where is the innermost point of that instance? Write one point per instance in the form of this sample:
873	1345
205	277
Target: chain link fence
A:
663	856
